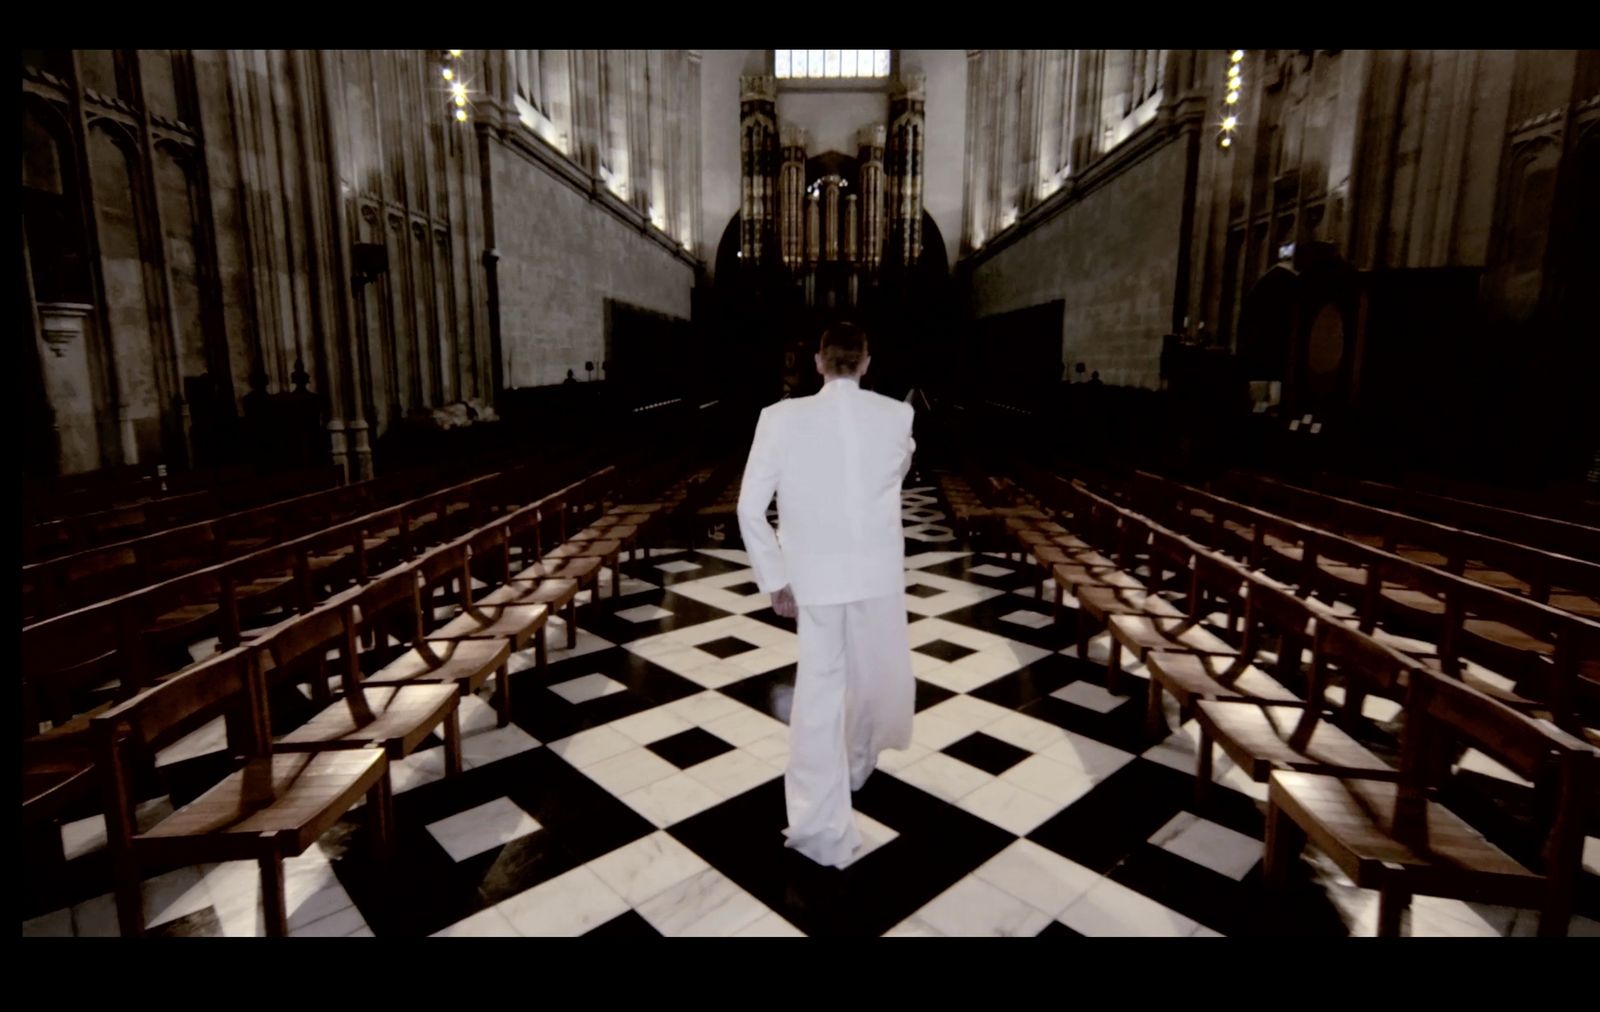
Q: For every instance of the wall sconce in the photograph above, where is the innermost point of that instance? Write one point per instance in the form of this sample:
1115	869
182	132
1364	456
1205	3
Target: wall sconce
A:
458	88
1233	86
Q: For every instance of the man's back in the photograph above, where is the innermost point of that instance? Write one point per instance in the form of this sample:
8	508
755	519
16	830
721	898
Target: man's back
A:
836	461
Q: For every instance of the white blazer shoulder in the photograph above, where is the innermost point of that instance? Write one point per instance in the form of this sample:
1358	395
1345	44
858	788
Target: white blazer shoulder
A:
836	461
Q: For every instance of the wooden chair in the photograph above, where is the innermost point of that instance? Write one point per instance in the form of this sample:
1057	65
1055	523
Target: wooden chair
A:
395	604
1142	632
397	717
273	807
1271	617
1397	838
515	623
554	593
1261	737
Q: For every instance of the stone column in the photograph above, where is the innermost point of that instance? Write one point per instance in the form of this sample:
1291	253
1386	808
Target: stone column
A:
64	360
830	218
870	141
813	228
758	165
363	449
792	198
907	111
852	230
339	445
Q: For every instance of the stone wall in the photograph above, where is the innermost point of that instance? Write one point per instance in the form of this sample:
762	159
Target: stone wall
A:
1111	255
563	253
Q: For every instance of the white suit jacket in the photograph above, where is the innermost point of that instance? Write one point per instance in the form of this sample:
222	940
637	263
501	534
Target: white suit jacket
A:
836	461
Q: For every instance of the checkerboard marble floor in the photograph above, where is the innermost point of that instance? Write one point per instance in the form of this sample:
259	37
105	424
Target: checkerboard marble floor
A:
639	791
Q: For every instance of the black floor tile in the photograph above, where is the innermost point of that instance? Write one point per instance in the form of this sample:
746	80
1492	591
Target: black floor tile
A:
690	748
727	646
988	754
944	650
938	845
421	890
628	925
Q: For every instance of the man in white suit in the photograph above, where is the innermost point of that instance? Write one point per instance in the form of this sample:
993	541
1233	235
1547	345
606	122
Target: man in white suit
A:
836	461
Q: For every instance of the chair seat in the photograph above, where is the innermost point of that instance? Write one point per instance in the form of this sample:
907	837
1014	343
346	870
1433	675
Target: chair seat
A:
1578	604
620	532
1492	577
181	619
584	549
552	592
1104	601
623	520
1422	556
1055	555
1191	676
465	660
297	796
1287	549
402	716
516	622
258	588
1257	738
1143	633
1352	821
1413	600
647	507
1506	635
1072	575
1355	576
569	569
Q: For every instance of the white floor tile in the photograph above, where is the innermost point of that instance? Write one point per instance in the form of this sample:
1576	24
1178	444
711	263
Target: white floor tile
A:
588	687
568	905
672	799
1038	876
1223	850
647	867
1110	909
974	908
485	827
707	904
1089	696
486	923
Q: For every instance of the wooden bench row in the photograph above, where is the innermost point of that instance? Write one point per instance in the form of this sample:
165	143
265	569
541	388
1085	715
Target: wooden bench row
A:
84	661
1530	655
73	581
290	788
68	535
1571	584
1245	681
1553	534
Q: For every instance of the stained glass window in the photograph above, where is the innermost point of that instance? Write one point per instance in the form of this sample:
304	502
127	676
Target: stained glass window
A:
840	63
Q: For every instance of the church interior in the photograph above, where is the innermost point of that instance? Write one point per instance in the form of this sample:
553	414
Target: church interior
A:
384	414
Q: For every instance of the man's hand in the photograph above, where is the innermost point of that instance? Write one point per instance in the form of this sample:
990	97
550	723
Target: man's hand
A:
783	603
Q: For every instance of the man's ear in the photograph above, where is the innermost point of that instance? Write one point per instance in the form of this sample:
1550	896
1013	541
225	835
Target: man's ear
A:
817	358
866	360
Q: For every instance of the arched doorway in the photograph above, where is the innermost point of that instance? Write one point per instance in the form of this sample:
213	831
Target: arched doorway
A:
766	327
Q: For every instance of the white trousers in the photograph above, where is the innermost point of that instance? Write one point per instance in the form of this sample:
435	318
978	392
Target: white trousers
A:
854	697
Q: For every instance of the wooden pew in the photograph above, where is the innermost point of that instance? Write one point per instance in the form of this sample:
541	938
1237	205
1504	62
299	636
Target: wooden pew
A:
1572	584
1395	837
272	807
435	659
1261	737
1454	616
1272	620
396	717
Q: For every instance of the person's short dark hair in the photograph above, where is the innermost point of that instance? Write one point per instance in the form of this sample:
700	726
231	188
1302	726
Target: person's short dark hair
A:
842	348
